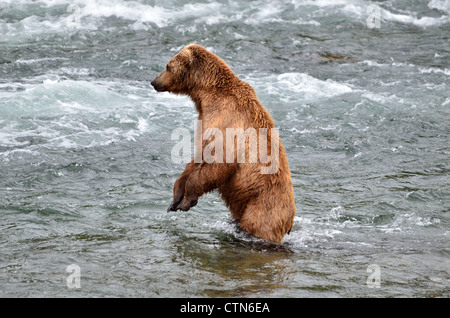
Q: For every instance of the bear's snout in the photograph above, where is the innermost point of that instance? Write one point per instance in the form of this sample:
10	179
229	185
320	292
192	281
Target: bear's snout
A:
162	82
157	85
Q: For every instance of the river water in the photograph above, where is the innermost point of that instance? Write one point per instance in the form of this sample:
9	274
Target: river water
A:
360	93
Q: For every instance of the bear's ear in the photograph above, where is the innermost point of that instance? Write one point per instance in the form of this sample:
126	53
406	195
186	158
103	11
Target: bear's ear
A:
188	55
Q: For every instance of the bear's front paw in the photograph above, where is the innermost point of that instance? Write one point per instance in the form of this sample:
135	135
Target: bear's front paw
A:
184	204
187	203
174	205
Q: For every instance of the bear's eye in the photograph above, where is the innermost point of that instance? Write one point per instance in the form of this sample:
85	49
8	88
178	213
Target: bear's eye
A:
167	68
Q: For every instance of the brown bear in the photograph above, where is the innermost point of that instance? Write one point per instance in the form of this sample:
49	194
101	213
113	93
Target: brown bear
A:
262	202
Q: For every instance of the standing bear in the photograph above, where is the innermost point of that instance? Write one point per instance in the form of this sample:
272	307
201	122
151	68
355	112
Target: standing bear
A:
238	153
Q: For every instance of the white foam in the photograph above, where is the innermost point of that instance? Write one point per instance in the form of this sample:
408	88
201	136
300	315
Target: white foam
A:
372	63
441	5
411	18
307	231
358	8
322	3
131	10
142	125
6	155
308	87
141	13
434	70
382	99
408	221
34	61
88	14
83	14
264	13
54	113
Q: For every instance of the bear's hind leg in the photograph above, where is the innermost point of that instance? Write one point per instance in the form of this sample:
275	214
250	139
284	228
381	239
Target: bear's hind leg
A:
267	223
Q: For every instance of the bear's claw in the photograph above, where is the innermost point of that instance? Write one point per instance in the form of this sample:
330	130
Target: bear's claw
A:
182	205
174	206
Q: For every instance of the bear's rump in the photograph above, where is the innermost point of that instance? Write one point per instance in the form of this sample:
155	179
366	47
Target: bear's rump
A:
248	186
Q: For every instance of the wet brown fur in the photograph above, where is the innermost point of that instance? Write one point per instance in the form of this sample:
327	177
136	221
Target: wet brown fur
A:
263	204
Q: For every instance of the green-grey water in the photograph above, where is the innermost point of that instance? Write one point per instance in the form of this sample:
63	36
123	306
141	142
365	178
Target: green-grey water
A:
363	111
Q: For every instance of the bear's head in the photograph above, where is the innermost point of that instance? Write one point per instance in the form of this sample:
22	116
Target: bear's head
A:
194	68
